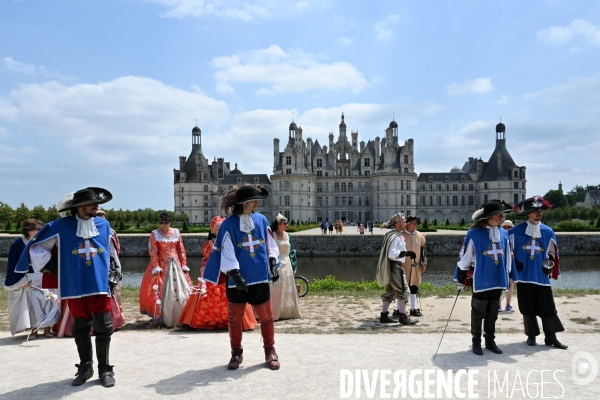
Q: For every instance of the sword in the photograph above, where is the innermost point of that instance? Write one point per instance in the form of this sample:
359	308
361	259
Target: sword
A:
447	322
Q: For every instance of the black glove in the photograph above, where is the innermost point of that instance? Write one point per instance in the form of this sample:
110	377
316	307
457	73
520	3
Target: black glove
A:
273	269
551	257
238	279
520	265
51	266
411	254
462	276
402	254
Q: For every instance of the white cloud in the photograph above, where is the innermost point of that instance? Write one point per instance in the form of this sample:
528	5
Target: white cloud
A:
475	86
285	72
21	67
560	35
345	41
579	96
383	29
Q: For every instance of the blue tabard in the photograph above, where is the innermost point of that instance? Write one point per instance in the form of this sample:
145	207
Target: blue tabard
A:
491	261
532	252
82	264
16	249
250	251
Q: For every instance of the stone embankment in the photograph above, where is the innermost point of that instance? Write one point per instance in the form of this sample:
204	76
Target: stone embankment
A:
344	245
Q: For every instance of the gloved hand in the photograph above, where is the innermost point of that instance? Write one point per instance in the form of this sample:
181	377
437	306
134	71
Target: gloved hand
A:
459	286
462	276
402	254
273	269
51	265
411	254
238	279
520	265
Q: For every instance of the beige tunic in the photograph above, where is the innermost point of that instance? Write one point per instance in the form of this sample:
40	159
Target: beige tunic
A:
412	268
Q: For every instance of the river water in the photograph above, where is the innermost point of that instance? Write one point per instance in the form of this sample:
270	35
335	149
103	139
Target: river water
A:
578	272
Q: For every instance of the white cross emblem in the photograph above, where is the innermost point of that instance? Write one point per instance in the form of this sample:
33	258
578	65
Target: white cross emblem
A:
88	251
533	249
251	244
494	253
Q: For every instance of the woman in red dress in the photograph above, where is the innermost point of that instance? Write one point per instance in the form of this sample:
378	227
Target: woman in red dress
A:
207	306
165	243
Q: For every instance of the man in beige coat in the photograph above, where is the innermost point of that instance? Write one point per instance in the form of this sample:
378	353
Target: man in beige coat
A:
413	268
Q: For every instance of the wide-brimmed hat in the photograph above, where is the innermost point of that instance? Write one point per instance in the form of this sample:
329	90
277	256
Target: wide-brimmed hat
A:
84	197
249	193
507	222
490	209
532	204
412	218
395	218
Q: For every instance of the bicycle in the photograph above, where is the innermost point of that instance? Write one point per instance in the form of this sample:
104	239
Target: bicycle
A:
302	285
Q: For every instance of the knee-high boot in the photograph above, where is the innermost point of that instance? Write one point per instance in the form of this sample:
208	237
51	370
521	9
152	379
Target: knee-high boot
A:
532	328
477	313
81	333
103	329
235	313
267	329
489	327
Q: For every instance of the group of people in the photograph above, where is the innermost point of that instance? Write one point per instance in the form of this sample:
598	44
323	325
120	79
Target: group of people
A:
248	270
338	226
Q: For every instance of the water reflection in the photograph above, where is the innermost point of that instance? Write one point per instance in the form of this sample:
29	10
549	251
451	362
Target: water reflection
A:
577	272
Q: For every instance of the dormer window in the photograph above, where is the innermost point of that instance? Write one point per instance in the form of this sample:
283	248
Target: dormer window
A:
430	178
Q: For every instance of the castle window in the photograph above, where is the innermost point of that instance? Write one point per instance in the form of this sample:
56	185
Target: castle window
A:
346	172
422	188
205	176
367	162
516	175
343	186
319	173
336	201
430	178
406	170
350	201
446	200
516	198
319	187
319	163
431	188
523	185
408	185
455	187
367	201
256	180
462	178
206	188
319	202
367	172
454	200
181	190
462	200
446	178
288	160
405	159
287	215
343	201
181	197
422	200
485	186
438	187
470	199
516	186
485	198
408	199
470	188
287	185
438	200
401	184
239	181
430	200
287	201
350	187
288	171
447	187
336	187
339	171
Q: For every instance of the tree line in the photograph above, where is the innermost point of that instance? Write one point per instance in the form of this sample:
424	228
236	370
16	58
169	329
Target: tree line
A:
10	219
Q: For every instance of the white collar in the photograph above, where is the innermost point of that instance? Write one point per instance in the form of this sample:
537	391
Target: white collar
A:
411	233
246	223
494	233
533	230
86	228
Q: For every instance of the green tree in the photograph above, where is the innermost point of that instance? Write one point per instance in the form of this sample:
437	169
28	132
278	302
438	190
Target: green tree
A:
8	227
584	213
425	224
185	227
447	222
51	214
435	222
39	212
462	222
22	213
557	198
594	214
6	212
598	223
121	225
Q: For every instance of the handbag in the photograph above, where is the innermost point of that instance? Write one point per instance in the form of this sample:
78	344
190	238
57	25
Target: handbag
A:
292	256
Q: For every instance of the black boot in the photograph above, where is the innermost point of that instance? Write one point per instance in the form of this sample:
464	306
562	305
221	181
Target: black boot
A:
531	341
532	329
404	320
477	313
489	327
553	341
385	318
103	329
81	333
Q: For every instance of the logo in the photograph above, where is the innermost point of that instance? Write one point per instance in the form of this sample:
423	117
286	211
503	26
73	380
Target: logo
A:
584	368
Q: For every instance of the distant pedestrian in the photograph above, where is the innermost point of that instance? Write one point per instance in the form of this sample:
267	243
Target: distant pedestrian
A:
371	227
324	227
330	228
361	229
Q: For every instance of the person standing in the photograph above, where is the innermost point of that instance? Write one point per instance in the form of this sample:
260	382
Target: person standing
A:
487	258
390	273
84	248
284	295
508	225
165	244
536	258
247	253
415	242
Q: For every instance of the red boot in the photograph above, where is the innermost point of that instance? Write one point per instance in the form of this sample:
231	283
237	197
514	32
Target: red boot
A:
235	313
267	329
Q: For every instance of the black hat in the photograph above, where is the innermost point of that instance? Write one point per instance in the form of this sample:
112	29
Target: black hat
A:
91	195
412	218
491	208
532	204
248	193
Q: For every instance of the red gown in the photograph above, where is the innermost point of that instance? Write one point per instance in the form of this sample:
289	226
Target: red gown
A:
209	310
160	249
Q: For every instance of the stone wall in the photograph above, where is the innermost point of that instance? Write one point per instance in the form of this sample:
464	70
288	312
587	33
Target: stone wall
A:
346	245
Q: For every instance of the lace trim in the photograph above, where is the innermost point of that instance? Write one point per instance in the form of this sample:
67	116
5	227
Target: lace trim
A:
246	223
161	238
86	228
494	234
533	230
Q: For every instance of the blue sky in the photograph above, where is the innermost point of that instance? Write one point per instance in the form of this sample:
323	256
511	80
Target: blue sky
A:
105	93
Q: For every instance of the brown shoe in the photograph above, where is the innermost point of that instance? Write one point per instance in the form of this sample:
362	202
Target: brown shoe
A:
272	359
236	359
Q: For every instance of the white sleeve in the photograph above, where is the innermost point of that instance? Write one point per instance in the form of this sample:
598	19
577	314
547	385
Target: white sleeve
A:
228	259
40	253
468	257
398	245
113	252
272	249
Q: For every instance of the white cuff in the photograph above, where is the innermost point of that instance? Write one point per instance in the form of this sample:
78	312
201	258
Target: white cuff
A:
156	270
185	268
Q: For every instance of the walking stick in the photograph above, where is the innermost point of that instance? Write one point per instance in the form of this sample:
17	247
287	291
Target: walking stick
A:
447	322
